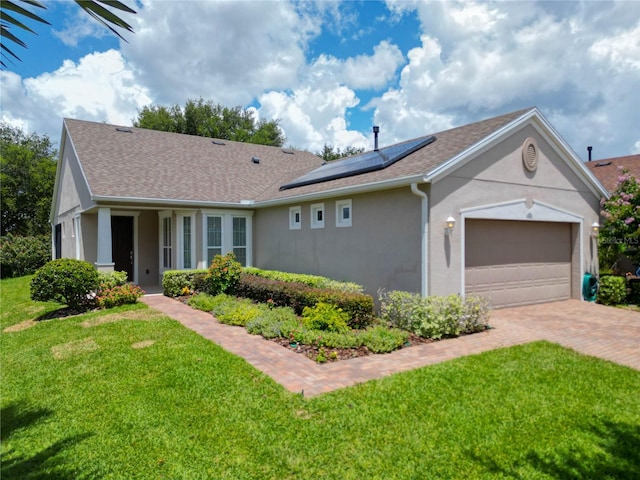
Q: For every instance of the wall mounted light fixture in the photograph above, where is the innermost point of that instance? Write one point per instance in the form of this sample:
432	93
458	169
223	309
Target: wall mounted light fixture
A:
595	229
451	222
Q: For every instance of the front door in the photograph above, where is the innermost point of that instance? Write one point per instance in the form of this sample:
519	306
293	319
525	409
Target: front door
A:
122	245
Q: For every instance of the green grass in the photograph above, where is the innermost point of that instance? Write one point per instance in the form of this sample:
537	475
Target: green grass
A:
78	401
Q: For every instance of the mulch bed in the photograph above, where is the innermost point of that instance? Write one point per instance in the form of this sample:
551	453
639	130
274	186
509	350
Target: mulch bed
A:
330	354
336	354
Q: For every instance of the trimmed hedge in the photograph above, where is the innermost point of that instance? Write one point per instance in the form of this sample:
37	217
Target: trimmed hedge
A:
358	306
180	282
315	281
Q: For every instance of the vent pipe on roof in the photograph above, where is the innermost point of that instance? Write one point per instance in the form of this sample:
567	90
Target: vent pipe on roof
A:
589	150
376	130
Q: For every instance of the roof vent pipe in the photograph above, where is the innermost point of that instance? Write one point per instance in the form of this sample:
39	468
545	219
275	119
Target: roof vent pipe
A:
589	150
376	130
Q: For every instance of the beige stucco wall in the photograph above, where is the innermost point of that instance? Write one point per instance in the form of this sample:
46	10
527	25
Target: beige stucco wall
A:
496	176
380	250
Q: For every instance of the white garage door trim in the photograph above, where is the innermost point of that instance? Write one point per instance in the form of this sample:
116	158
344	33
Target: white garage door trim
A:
519	209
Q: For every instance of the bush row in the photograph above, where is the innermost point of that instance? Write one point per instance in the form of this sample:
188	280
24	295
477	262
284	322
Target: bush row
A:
358	306
21	256
434	317
310	280
282	322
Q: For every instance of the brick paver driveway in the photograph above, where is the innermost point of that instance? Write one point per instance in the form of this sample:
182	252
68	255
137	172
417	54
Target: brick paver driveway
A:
605	332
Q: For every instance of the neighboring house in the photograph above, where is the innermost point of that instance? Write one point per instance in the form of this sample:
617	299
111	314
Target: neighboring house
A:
501	207
608	170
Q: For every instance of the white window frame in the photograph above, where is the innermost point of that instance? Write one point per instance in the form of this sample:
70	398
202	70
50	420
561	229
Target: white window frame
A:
180	216
246	240
162	216
76	234
341	220
205	240
315	209
293	224
227	233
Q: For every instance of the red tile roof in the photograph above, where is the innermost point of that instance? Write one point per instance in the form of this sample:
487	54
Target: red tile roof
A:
608	170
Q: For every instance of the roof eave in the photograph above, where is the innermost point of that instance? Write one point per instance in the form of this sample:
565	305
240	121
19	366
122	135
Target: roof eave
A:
106	199
342	191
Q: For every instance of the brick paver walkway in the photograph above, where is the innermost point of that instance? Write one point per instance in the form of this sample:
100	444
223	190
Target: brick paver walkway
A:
606	332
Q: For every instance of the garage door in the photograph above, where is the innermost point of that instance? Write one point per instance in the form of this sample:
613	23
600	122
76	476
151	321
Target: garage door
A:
518	263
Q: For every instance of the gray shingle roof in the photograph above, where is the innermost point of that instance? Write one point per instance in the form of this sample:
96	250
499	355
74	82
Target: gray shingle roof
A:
149	164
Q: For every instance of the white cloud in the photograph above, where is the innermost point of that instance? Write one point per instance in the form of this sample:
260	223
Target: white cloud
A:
313	115
229	52
576	61
621	51
99	87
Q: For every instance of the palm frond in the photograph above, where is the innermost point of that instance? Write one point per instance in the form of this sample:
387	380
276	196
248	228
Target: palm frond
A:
11	13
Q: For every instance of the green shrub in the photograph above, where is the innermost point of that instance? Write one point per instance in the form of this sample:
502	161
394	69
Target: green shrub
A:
176	282
21	256
238	313
108	280
65	280
315	281
223	274
358	306
634	291
612	290
119	295
380	339
206	302
274	323
324	316
434	317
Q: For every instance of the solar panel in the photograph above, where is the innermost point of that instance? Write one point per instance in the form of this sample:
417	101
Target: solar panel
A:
364	163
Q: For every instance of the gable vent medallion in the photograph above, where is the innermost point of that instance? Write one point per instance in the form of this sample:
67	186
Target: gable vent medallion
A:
530	154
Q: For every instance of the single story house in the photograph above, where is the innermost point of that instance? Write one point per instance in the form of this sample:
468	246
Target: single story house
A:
502	207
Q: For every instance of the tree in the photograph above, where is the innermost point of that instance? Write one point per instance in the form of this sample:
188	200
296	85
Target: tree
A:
329	153
206	119
13	13
620	234
27	176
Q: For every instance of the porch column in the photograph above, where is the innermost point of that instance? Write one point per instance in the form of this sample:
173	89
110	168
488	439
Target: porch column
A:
105	260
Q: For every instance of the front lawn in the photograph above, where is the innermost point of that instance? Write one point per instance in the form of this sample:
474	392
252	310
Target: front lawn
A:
129	393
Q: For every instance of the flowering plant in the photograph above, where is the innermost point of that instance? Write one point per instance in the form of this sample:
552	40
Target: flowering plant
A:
620	233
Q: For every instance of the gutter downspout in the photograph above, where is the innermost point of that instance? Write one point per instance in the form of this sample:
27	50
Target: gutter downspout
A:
424	238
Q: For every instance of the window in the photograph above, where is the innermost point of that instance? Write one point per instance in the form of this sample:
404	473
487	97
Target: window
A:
295	218
165	235
343	213
317	215
240	239
186	242
76	234
214	237
224	232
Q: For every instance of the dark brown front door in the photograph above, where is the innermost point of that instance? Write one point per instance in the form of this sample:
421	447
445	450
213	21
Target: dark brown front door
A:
122	244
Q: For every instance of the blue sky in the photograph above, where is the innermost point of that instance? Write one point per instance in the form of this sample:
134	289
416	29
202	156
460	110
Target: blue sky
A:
329	70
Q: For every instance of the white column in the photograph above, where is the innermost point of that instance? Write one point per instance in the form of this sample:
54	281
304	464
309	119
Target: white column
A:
105	260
